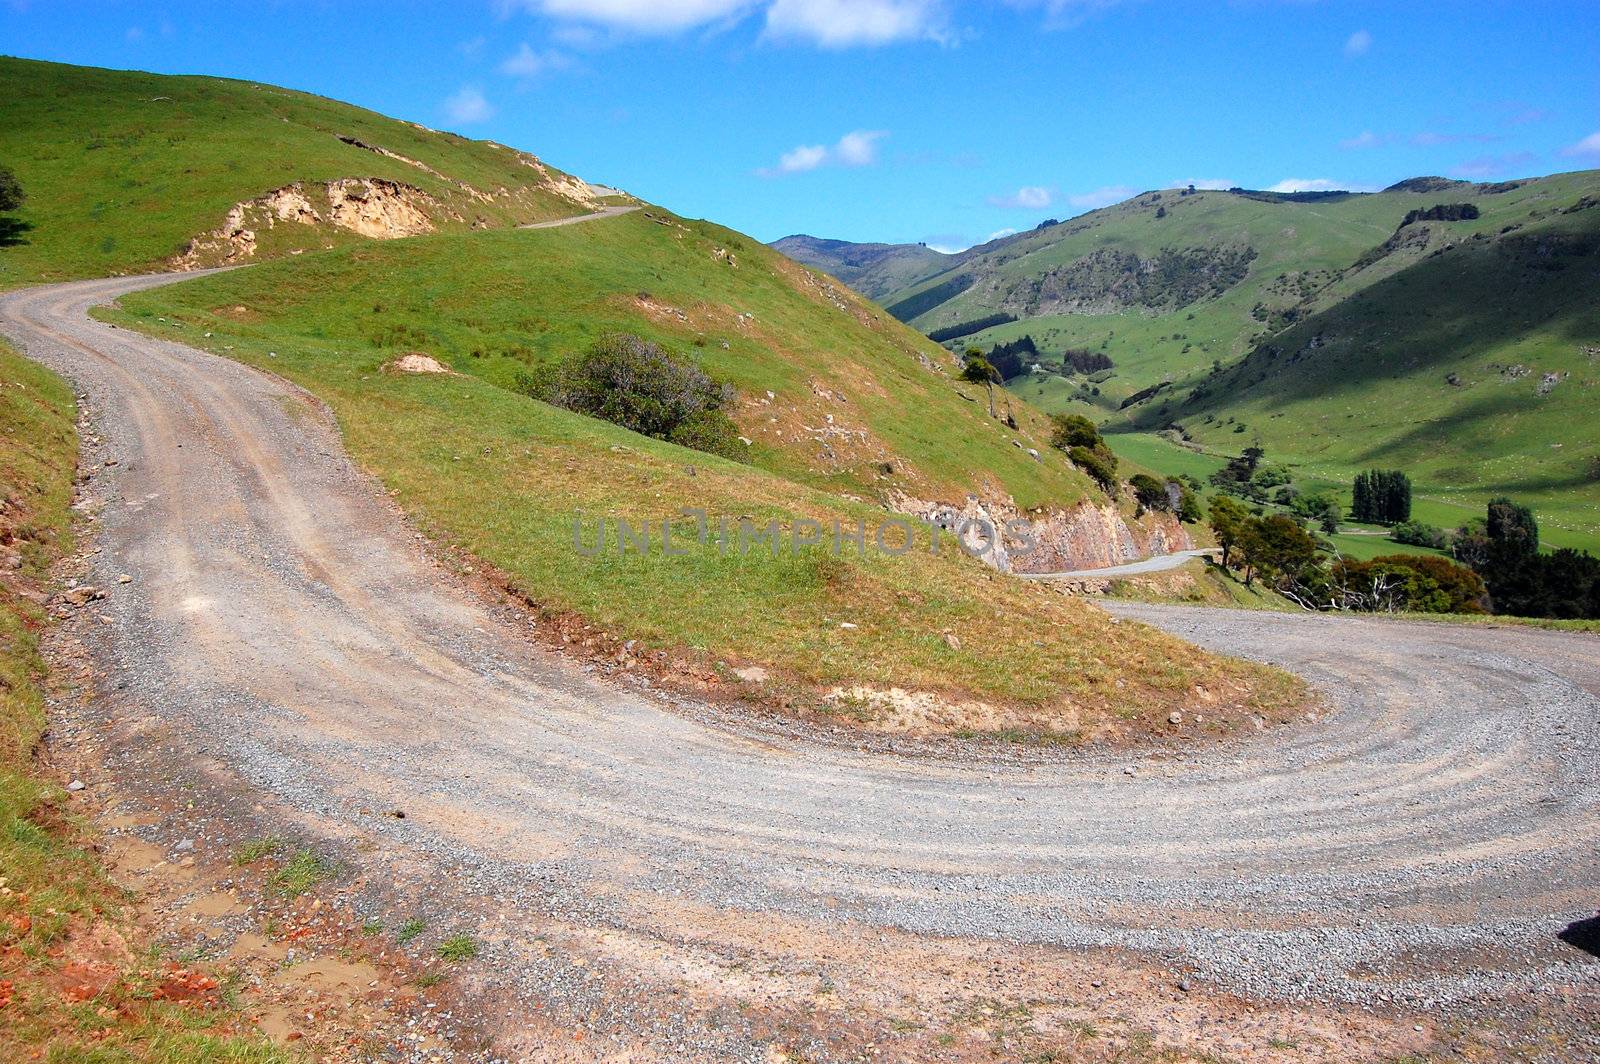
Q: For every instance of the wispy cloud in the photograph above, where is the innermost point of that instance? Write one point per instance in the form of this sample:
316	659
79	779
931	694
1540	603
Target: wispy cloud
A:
1365	139
1101	197
998	233
1432	138
1028	197
468	106
826	23
1494	165
854	149
526	63
1211	184
637	16
1587	148
1066	14
1358	44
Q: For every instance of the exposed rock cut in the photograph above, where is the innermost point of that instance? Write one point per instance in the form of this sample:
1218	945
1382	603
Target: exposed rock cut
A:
371	206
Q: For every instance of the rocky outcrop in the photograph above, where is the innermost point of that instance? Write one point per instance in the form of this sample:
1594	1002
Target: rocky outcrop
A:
371	206
1085	536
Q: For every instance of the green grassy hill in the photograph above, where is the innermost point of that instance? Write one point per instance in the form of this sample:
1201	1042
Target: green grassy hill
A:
1224	295
123	169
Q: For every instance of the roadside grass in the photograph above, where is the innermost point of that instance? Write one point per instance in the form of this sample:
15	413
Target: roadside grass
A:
94	148
300	873
54	894
500	476
254	850
1199	582
458	947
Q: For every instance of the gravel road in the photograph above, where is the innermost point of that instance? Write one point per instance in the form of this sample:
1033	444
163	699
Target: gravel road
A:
1425	843
1157	564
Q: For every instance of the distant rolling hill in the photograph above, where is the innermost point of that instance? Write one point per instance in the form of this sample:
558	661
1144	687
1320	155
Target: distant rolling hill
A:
1340	329
871	269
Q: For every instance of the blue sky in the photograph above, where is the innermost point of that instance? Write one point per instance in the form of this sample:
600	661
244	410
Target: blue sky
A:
911	120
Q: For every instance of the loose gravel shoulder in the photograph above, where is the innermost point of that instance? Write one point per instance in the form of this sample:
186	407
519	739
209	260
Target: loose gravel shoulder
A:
1423	846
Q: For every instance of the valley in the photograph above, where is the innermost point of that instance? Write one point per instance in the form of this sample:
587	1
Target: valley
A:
336	727
1321	327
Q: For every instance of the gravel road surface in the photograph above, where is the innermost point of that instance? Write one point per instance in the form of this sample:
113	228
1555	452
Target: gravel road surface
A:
1424	843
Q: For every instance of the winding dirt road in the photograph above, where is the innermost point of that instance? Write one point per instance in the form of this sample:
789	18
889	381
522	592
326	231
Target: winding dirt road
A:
1424	844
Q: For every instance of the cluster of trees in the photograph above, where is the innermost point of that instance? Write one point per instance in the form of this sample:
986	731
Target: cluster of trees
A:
634	383
1277	550
1442	212
966	328
1504	549
1381	496
1011	358
1075	360
1169	496
11	198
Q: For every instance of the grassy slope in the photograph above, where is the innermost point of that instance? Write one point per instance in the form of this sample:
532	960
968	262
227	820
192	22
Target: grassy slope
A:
54	888
500	304
448	444
1377	390
122	168
1418	318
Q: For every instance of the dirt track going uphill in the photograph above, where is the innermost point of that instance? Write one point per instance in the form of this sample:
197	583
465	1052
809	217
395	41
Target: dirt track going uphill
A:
1423	845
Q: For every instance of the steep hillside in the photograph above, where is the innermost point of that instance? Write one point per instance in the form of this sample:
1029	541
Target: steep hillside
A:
1169	282
846	409
874	270
127	171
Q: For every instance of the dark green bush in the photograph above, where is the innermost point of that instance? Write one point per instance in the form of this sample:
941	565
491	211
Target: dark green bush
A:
634	383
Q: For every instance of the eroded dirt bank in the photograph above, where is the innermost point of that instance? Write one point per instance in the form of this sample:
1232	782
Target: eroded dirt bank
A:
649	881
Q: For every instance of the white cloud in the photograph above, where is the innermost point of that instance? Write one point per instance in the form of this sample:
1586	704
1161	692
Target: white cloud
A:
949	249
1365	139
1101	197
1212	184
843	23
1587	148
859	148
1028	197
998	233
802	158
527	63
638	16
468	106
1360	43
854	149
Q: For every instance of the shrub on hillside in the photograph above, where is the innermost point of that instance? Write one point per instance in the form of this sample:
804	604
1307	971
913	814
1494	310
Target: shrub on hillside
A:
634	383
